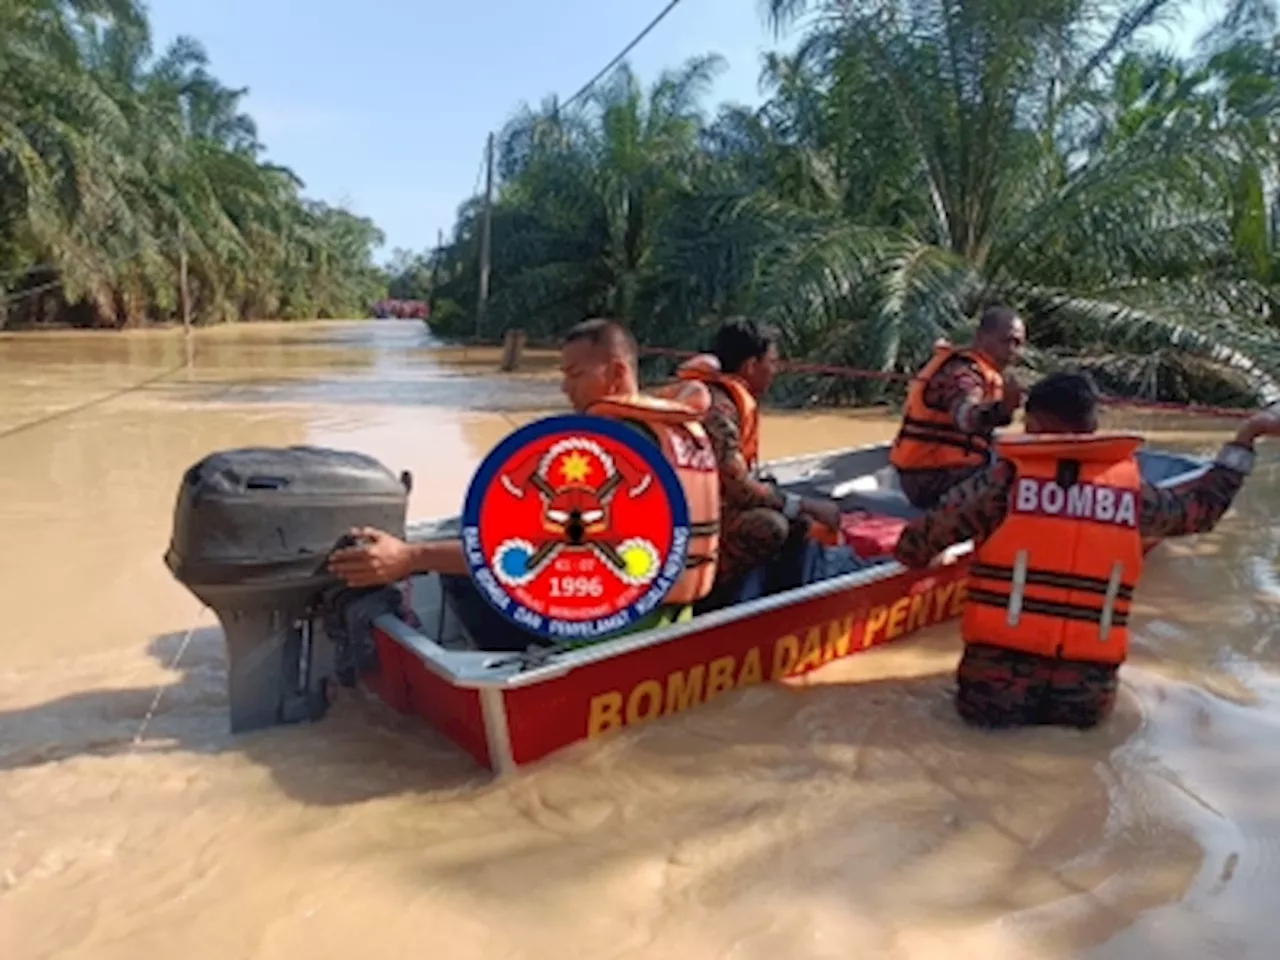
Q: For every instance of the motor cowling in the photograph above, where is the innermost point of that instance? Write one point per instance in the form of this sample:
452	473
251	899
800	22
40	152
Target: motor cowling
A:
252	532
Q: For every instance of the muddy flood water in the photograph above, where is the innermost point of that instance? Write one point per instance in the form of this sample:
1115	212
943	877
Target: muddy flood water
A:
850	817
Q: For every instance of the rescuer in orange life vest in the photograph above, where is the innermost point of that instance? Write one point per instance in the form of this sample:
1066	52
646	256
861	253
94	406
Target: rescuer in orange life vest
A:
1058	521
763	530
598	362
954	404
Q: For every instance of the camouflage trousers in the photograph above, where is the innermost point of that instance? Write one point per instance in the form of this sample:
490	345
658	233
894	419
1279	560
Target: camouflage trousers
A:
749	538
996	687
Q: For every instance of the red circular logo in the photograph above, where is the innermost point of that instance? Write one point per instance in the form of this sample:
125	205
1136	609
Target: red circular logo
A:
576	526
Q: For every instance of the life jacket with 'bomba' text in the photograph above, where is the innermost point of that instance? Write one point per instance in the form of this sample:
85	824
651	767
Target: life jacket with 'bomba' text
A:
1056	579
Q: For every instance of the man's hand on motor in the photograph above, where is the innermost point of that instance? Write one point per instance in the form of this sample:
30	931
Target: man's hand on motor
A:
380	559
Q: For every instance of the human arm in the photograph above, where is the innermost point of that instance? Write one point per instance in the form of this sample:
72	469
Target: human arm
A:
739	490
958	388
383	558
972	510
1197	505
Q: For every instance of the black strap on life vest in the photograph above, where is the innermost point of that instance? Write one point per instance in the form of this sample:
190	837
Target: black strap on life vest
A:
1051	578
926	431
1049	608
944	434
1063	611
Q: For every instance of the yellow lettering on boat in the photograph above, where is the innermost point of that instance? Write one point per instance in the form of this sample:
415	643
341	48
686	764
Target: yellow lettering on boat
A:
785	654
839	639
645	702
940	597
811	652
897	618
605	713
684	689
720	676
918	614
875	623
788	656
913	612
751	672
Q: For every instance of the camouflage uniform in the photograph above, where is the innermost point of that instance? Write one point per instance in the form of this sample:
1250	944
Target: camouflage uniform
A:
958	387
753	530
998	687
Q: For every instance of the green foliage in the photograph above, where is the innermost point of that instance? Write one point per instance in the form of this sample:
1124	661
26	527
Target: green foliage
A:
113	160
410	276
913	163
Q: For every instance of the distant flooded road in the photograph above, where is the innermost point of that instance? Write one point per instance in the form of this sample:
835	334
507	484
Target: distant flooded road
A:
851	816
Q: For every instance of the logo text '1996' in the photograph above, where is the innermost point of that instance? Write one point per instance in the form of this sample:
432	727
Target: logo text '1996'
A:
575	527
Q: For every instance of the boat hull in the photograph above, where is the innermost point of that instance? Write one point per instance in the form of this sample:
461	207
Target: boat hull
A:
505	724
507	710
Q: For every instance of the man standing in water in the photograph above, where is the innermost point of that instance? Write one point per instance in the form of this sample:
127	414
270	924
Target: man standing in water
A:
954	405
598	363
1058	521
759	524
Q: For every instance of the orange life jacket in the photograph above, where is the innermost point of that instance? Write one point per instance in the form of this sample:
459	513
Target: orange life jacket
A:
929	437
706	368
687	448
1057	577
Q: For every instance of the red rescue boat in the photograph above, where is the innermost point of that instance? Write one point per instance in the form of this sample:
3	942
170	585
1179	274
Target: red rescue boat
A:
253	528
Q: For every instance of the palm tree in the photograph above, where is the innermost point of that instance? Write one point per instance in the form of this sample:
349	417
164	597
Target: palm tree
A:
115	163
582	199
1019	173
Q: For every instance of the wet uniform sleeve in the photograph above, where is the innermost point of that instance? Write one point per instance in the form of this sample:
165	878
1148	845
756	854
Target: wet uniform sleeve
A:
1195	506
738	489
972	510
959	388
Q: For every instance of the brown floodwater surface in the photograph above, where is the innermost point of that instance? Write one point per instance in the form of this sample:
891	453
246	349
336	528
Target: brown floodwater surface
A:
848	816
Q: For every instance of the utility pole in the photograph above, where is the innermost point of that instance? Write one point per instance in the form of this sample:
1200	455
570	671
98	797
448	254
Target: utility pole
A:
183	290
435	275
486	228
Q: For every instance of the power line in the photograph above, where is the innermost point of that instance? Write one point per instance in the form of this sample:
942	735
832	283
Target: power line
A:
94	402
586	87
603	71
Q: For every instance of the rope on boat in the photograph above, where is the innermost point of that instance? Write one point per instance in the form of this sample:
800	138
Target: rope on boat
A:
533	656
160	689
858	373
96	401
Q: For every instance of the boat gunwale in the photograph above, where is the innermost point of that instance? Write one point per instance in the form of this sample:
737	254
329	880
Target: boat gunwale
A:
488	669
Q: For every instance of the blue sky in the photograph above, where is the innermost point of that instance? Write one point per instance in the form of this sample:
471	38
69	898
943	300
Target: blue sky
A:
384	105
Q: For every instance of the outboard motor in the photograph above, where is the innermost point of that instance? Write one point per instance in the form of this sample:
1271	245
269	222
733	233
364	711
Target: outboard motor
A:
252	533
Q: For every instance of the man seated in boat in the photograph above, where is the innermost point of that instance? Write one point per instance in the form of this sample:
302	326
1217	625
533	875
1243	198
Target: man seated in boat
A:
599	367
954	404
1058	521
760	525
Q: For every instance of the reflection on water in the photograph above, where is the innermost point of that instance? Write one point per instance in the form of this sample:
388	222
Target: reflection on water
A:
847	816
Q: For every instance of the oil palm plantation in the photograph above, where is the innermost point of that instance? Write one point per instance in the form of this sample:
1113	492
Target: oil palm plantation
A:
912	162
116	163
582	203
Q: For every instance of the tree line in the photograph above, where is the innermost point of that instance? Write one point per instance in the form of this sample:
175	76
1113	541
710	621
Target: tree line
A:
911	163
120	163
